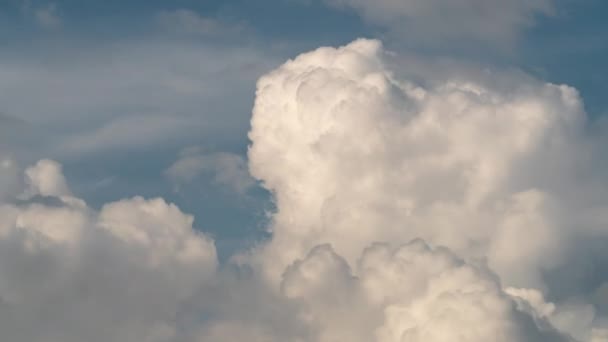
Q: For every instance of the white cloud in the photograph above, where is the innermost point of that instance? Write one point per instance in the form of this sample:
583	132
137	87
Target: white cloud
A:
431	21
372	174
487	164
344	144
409	293
136	269
46	179
69	273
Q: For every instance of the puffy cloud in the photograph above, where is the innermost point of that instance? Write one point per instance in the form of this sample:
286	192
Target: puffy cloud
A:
136	269
46	179
405	211
489	21
409	293
345	146
496	166
70	273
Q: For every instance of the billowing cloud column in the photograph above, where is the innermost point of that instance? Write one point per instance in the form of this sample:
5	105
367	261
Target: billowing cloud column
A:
355	155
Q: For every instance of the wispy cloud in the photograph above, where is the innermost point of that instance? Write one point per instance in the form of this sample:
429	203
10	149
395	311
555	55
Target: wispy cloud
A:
46	15
490	22
228	170
189	22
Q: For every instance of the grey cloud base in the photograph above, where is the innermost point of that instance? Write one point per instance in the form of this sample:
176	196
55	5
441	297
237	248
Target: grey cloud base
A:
404	214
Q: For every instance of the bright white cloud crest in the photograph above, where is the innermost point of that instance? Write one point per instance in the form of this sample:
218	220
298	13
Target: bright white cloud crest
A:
405	213
483	164
348	148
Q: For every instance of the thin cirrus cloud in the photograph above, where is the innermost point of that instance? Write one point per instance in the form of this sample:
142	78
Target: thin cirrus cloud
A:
188	22
135	131
46	16
93	79
132	94
403	213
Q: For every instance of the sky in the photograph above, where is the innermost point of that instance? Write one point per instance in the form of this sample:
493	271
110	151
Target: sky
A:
303	170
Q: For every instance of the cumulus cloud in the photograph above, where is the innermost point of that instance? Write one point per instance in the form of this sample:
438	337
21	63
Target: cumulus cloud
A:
408	293
344	144
46	179
70	273
452	209
432	21
136	269
488	165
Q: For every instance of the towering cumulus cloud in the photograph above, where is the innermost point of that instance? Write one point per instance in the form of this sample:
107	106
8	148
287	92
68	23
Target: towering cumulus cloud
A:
488	165
463	208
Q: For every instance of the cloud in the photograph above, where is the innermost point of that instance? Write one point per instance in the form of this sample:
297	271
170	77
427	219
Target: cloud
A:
46	16
342	143
132	132
491	22
121	108
487	163
46	179
136	269
453	209
409	293
89	97
69	273
189	22
228	169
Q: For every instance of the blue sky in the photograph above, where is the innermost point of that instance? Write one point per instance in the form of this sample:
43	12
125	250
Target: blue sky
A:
116	66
